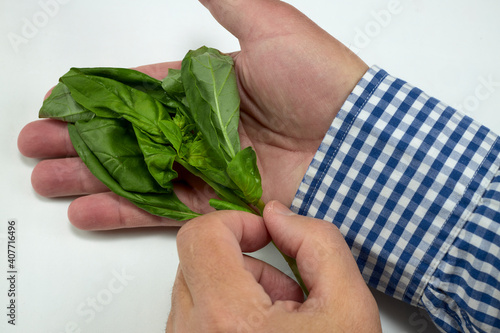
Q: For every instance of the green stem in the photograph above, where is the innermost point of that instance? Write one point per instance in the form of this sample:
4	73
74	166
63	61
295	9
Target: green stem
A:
222	191
292	263
260	206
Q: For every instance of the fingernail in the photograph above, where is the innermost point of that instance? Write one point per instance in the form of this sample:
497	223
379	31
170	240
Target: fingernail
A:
281	209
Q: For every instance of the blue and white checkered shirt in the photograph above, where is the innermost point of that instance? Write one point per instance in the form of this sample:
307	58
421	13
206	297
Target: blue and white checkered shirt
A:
414	186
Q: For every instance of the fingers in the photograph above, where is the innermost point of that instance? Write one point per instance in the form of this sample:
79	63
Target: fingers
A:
336	287
184	311
323	258
45	139
216	288
256	19
64	177
215	281
104	211
278	285
108	211
210	253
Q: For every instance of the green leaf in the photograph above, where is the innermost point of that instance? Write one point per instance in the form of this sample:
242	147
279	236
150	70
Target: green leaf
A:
199	155
212	95
174	100
244	172
60	105
174	88
158	158
224	205
172	133
108	98
114	144
223	192
161	204
131	78
172	83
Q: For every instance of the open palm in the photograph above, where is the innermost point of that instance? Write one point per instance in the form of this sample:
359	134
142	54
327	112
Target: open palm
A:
293	78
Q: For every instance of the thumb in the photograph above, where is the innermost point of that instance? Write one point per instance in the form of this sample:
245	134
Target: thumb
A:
323	258
256	19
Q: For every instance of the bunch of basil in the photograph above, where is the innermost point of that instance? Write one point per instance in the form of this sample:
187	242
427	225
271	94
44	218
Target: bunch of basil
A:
130	129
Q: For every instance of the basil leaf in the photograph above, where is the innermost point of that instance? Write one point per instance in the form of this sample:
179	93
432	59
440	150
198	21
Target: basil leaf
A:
158	158
174	88
244	172
108	98
199	155
60	105
143	82
162	204
212	95
114	144
224	205
131	78
172	133
223	192
172	83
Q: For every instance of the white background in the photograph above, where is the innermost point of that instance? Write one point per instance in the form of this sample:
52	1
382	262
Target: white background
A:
449	48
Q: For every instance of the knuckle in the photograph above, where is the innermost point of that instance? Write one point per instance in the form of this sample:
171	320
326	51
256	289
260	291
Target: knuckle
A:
324	232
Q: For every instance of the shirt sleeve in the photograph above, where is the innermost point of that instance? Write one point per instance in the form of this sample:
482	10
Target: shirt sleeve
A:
414	187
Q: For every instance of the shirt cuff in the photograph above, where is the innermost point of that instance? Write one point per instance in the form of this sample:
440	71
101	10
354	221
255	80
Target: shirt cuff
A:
399	173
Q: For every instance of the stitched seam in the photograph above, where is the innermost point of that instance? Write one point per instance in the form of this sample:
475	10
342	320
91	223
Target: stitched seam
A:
315	189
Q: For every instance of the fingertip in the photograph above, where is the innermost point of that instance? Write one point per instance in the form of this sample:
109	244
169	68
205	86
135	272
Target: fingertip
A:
25	139
39	180
277	218
79	220
45	138
108	211
247	228
95	212
276	207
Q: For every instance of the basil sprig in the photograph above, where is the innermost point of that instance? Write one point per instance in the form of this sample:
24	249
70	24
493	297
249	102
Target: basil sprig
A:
130	129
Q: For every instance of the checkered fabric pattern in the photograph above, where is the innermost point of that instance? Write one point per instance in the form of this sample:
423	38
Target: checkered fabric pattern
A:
414	186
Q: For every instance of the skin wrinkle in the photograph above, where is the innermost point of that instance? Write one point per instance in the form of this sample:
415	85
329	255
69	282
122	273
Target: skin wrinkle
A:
83	173
121	217
251	105
282	138
197	202
81	183
70	150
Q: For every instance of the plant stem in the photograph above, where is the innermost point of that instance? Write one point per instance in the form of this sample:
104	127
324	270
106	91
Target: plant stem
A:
260	206
292	263
222	191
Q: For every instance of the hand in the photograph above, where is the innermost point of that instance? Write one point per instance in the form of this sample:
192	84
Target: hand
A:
293	78
218	289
